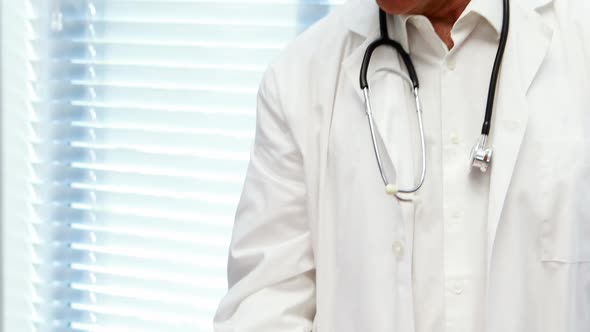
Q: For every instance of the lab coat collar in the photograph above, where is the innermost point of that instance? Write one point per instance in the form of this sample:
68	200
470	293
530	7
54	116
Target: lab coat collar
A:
490	10
360	16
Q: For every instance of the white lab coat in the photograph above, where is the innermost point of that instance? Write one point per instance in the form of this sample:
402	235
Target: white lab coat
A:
312	244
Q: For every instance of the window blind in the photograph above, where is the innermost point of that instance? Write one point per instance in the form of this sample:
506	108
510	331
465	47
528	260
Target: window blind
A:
143	115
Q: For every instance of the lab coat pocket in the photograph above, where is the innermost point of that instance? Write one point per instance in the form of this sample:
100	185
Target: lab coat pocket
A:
565	192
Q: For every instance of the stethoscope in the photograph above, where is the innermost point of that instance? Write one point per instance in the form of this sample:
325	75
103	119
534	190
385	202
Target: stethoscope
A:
481	154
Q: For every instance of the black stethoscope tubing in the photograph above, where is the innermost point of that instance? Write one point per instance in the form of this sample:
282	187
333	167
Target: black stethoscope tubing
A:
487	124
385	40
481	155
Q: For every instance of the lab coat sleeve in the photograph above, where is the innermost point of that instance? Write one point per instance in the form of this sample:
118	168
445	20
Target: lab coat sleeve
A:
271	273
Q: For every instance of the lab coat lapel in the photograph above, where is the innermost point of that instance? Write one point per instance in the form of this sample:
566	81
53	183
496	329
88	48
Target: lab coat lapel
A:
527	46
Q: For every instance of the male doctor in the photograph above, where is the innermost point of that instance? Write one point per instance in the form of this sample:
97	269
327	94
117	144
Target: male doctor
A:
319	245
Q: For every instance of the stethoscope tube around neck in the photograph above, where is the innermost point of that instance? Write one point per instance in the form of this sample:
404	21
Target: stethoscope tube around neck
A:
385	40
487	123
481	155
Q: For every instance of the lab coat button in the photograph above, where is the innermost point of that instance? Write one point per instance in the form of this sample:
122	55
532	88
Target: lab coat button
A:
458	287
451	64
455	139
398	249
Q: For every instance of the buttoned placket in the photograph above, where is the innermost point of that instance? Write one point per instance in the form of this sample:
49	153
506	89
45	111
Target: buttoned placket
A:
451	146
454	171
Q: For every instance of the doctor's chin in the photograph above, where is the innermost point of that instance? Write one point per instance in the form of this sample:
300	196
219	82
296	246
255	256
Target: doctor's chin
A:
295	166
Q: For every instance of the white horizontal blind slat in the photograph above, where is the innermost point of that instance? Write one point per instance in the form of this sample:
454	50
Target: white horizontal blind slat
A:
143	114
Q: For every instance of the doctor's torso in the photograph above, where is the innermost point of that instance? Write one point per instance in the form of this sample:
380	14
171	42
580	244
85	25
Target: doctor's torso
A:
535	199
508	250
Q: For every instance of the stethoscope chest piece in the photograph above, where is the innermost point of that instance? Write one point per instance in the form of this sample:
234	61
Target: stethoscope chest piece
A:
481	156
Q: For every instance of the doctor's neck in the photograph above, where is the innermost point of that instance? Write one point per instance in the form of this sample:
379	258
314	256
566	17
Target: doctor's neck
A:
442	13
